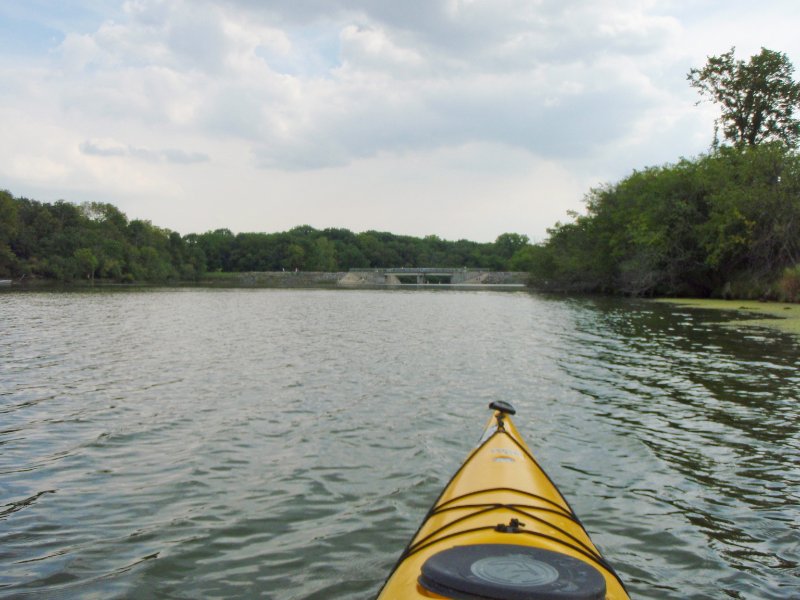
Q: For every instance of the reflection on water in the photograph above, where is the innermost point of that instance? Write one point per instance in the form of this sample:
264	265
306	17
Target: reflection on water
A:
203	443
717	409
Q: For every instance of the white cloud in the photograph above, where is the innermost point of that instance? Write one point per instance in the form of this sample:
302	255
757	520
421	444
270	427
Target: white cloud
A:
444	73
334	103
104	147
371	48
111	148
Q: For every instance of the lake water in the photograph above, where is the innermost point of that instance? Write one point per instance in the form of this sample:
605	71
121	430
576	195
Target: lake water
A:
285	444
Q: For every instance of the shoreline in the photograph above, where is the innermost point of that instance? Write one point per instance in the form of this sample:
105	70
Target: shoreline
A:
298	283
506	281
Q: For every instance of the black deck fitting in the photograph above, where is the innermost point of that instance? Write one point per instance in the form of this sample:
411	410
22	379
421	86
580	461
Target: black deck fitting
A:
503	407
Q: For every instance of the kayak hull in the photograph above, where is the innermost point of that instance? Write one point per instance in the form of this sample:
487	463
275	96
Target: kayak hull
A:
499	496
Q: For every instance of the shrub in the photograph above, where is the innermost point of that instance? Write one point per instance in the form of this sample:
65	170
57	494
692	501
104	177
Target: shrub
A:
789	284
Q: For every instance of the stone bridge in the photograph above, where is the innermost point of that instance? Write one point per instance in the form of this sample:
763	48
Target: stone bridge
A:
433	275
446	278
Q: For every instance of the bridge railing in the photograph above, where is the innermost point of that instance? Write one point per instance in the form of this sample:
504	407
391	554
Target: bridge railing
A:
413	270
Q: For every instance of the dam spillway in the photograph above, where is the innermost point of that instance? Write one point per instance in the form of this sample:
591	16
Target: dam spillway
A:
424	276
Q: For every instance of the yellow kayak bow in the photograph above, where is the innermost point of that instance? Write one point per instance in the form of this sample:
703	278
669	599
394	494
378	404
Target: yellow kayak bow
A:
501	530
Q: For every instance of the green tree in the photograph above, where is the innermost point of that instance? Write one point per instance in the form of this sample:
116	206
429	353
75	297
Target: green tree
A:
194	263
151	265
507	244
295	257
217	246
758	98
109	214
87	262
523	259
323	256
370	248
8	231
753	225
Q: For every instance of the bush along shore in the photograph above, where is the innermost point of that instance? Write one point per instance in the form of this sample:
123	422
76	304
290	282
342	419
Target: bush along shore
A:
726	225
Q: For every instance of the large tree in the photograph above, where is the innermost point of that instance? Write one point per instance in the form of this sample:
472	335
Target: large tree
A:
758	98
8	231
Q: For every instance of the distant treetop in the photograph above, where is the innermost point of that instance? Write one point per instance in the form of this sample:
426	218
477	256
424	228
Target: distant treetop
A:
758	98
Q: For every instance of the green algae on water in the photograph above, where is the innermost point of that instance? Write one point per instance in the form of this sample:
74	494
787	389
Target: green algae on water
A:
775	315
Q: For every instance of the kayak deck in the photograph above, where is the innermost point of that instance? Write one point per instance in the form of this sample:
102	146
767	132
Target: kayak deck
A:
499	496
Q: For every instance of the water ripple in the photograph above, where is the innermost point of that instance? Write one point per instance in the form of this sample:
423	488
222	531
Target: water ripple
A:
286	444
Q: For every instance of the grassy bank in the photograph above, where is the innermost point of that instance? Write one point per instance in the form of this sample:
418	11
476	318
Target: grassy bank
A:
775	315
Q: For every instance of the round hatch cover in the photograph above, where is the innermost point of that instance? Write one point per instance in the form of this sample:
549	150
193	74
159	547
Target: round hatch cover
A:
510	572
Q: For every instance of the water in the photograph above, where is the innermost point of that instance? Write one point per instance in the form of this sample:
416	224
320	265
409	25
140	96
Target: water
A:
286	444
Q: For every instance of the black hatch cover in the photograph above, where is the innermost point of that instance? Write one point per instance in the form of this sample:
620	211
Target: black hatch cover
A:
510	572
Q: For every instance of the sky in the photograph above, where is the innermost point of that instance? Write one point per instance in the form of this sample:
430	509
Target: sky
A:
458	118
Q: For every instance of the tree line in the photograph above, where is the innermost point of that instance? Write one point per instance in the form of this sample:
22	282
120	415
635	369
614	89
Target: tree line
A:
726	223
66	242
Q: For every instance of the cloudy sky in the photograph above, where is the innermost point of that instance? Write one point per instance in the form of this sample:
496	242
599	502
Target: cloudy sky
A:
460	118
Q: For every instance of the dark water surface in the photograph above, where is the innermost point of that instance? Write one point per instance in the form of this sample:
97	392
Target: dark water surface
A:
286	444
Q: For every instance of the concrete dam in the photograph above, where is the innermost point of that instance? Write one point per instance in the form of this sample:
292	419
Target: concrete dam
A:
433	276
421	278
